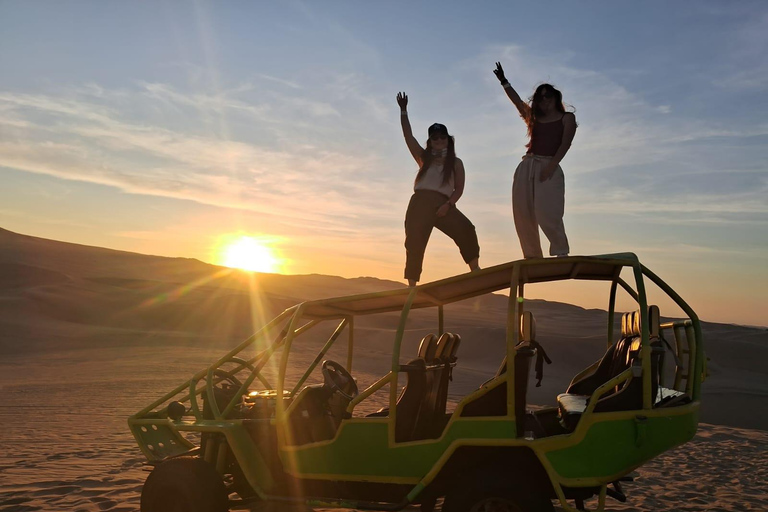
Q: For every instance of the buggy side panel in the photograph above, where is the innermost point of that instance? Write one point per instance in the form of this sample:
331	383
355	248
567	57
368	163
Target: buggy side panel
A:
361	451
520	464
608	445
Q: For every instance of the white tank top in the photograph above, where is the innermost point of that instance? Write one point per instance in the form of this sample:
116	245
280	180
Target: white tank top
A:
432	179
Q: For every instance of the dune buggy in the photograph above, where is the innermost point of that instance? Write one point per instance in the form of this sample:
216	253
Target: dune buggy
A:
239	435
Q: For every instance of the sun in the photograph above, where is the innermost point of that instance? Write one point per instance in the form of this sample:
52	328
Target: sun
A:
249	253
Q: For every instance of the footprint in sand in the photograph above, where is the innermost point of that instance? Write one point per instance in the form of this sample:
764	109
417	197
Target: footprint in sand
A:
16	501
59	490
104	503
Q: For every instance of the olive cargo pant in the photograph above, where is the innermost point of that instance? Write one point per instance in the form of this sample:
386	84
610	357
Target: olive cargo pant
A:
421	217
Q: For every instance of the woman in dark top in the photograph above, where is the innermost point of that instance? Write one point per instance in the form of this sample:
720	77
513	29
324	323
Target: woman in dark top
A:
538	188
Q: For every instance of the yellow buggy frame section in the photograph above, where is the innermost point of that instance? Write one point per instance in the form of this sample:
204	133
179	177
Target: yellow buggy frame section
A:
601	449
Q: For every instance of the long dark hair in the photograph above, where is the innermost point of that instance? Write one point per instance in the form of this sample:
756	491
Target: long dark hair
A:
535	104
448	165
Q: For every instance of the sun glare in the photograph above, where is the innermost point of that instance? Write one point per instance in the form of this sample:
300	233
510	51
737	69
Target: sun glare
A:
248	253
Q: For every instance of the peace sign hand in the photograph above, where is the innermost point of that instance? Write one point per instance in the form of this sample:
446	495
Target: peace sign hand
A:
499	72
402	100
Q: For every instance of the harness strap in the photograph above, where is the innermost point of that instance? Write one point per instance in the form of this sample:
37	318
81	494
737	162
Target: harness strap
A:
541	356
674	355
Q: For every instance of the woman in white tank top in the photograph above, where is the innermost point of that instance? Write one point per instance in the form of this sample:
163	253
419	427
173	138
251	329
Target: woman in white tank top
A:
438	186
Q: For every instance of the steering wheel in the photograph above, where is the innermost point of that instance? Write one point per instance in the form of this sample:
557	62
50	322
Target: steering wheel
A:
225	381
227	378
338	379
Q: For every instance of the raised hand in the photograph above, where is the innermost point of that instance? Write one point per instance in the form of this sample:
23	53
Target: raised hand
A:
499	72
402	100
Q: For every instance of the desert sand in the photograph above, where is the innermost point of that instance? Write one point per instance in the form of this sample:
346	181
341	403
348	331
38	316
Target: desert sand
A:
89	336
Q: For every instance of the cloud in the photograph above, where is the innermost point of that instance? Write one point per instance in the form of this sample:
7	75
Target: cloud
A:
755	78
288	83
745	67
83	140
630	155
688	209
328	161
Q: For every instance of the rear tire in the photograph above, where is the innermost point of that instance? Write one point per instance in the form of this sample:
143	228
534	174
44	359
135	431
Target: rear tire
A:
185	484
492	494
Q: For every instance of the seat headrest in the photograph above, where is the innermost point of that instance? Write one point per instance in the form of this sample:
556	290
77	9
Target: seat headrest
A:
627	324
455	345
448	346
527	327
631	323
444	344
428	347
654	320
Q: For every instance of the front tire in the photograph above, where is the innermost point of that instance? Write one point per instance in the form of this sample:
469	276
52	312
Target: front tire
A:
185	484
492	494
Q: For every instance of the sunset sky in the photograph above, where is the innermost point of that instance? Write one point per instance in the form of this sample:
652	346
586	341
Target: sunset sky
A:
166	127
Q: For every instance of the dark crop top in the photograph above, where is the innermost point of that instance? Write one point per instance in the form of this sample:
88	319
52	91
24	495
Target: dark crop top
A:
546	138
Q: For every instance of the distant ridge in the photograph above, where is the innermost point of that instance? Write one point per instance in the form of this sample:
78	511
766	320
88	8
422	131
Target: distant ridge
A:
57	286
78	260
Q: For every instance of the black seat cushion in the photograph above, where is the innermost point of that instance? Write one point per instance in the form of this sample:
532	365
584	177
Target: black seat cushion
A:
428	348
494	402
621	356
409	402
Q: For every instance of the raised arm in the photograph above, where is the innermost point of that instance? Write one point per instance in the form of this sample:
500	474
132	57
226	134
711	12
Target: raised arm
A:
413	145
522	107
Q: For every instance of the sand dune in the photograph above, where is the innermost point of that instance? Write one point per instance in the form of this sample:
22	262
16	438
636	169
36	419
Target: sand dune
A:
88	336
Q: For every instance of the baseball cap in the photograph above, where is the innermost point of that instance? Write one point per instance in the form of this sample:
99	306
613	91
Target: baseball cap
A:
437	128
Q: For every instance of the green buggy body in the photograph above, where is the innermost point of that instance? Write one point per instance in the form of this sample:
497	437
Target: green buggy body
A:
231	433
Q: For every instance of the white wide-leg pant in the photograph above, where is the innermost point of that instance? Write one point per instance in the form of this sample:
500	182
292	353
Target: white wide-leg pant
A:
536	203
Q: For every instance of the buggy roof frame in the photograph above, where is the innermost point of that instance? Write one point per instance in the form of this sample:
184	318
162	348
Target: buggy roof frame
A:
472	284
